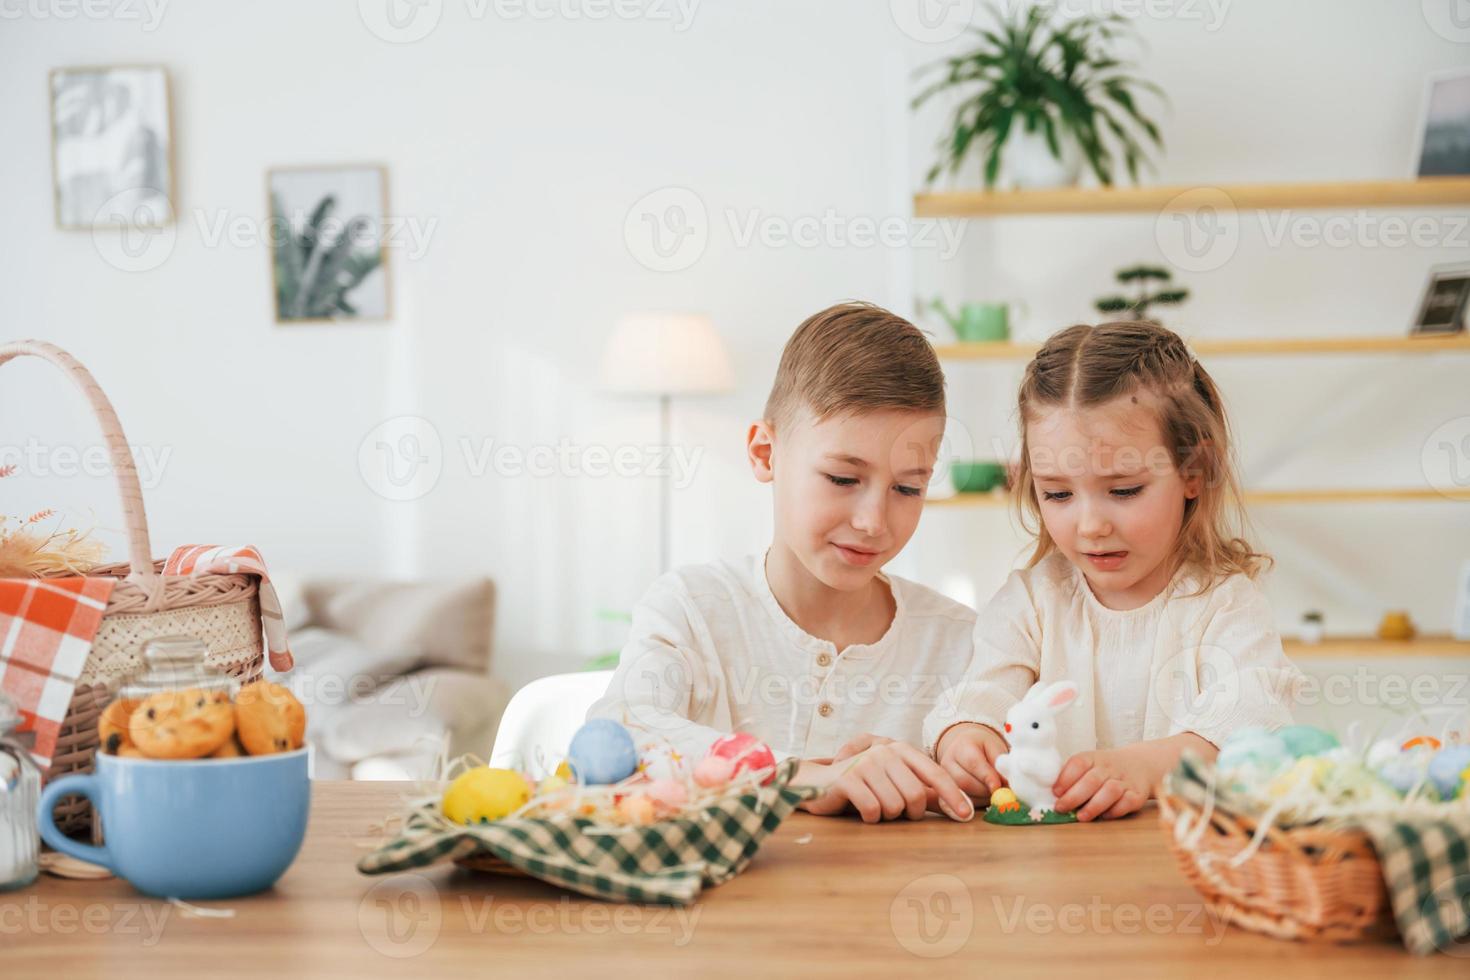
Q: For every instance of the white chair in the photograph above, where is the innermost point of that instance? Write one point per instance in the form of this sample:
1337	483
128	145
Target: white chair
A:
542	717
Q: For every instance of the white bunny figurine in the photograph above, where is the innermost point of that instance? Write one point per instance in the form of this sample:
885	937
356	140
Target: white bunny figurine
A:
1032	765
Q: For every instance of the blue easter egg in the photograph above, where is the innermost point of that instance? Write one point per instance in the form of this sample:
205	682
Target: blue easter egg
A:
1445	769
602	752
1252	746
1304	740
1403	772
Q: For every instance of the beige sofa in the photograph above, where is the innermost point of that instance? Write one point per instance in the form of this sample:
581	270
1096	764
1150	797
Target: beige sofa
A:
394	675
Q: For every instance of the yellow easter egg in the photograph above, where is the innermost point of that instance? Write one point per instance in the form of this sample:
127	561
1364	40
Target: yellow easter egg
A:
1305	772
564	771
483	794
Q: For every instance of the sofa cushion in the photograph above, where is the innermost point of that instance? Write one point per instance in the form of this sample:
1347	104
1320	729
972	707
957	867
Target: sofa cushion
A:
437	624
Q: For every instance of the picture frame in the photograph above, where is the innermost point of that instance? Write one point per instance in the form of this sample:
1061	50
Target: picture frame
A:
329	258
1442	144
112	146
1442	311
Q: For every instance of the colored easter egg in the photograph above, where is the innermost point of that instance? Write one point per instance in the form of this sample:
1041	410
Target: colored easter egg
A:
1305	772
747	753
1254	747
667	794
1407	769
564	771
1382	752
661	761
602	752
1446	769
483	794
714	771
636	809
1305	740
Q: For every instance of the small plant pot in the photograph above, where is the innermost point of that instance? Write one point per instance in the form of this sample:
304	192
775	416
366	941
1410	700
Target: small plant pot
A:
1029	164
977	476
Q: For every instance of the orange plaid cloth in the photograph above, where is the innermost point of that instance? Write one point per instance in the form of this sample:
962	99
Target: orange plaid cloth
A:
46	630
215	559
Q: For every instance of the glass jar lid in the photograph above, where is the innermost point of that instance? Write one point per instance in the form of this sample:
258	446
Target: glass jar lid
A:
174	663
9	715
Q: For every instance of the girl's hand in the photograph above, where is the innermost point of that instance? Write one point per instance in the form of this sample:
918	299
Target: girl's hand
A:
1105	783
858	744
967	752
887	781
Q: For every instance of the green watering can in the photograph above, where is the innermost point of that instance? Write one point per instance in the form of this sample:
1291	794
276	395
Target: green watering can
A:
979	322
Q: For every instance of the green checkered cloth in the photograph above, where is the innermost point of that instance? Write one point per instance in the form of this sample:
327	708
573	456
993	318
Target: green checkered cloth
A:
665	863
1425	862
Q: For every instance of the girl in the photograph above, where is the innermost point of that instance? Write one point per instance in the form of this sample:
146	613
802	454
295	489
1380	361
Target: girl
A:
1140	587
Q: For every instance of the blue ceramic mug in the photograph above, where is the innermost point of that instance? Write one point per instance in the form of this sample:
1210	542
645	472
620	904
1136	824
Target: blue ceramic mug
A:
192	828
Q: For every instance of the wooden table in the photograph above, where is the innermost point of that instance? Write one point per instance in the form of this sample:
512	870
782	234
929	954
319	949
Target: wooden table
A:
828	897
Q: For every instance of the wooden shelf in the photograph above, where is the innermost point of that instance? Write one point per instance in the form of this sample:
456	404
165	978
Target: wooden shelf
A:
1340	496
1421	192
1001	351
1355	647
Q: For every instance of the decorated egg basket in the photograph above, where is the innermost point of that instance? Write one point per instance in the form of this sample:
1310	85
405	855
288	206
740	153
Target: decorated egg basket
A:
1288	834
616	820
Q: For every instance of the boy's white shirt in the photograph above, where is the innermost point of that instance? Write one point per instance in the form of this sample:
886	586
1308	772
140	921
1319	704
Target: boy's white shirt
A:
711	652
1208	664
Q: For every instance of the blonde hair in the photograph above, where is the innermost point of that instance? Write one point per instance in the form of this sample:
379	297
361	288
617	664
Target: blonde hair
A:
852	358
1087	366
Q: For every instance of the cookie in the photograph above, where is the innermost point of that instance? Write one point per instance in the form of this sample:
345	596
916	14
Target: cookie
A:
112	726
269	719
231	749
184	724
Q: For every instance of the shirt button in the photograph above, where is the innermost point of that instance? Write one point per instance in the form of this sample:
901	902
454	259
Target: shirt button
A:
824	659
825	710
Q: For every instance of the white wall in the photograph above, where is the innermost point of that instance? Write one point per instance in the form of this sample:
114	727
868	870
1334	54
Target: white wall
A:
522	144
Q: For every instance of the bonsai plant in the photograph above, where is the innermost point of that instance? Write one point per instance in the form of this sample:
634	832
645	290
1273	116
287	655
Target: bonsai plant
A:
1140	277
1039	82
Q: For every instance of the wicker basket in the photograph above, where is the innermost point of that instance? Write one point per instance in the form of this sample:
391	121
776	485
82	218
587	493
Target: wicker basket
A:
1308	883
221	610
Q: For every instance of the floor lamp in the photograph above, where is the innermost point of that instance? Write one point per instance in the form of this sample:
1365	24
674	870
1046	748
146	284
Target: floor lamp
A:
665	354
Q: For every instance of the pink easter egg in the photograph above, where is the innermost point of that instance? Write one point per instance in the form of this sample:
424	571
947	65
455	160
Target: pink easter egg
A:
667	793
713	771
747	753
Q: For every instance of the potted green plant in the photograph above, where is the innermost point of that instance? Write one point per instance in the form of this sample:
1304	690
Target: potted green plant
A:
1136	307
1043	94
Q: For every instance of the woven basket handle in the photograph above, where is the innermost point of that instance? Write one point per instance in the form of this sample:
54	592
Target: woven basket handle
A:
140	554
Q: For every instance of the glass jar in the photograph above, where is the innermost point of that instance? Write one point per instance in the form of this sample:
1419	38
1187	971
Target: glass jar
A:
20	787
175	663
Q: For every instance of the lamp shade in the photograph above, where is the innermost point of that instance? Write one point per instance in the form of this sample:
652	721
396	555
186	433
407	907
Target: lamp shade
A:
666	354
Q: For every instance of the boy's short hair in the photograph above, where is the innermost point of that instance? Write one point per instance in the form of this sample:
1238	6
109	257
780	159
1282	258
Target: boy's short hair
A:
855	357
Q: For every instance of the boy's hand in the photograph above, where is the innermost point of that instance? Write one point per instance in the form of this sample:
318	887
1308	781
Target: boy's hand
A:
858	744
967	752
887	781
1105	783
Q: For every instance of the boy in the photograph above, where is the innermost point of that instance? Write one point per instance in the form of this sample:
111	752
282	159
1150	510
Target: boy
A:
809	647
